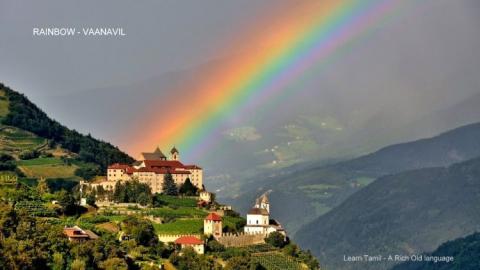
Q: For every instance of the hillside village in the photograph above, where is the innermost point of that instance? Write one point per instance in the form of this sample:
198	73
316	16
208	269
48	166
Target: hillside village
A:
69	201
152	171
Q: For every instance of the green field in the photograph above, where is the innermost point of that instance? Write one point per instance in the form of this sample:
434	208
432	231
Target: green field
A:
176	201
116	218
180	226
178	212
40	161
50	171
231	221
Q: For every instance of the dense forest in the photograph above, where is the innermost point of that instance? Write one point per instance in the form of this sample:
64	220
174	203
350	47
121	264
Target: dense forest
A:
27	116
409	212
463	250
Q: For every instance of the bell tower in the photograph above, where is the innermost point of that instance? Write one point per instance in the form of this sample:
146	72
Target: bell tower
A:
174	154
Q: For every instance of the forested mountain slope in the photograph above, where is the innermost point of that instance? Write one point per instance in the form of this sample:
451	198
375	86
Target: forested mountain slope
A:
20	113
464	252
405	213
306	192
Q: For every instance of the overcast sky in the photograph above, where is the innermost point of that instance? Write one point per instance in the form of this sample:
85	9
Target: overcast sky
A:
161	36
423	59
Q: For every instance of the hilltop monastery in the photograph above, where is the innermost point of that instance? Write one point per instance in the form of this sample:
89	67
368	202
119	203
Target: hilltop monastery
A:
151	170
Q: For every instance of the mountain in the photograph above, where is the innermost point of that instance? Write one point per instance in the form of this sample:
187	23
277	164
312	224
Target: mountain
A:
308	191
450	147
464	251
406	213
40	147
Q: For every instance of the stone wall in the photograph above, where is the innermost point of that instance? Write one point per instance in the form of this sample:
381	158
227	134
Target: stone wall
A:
241	239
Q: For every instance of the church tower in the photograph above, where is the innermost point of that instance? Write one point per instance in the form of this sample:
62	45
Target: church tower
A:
265	203
174	154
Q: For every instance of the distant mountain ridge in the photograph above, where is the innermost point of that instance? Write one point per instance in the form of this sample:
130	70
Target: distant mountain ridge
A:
406	213
308	192
442	150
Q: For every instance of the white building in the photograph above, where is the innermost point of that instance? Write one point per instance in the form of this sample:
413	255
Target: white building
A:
258	218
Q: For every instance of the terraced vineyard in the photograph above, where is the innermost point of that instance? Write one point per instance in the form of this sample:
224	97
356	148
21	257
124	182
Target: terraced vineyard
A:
35	208
167	212
15	141
276	261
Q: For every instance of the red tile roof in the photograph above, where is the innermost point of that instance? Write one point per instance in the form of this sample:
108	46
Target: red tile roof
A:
130	170
119	166
157	166
77	232
188	240
164	163
161	171
192	167
214	217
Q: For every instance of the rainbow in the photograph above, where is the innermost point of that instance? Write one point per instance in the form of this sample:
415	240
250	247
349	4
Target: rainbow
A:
290	41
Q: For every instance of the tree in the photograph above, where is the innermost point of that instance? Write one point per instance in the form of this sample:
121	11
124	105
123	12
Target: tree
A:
132	192
190	260
291	250
144	199
114	264
119	194
91	199
67	202
58	261
276	239
42	186
164	250
29	155
188	188
7	163
78	264
169	187
241	263
141	230
87	173
215	246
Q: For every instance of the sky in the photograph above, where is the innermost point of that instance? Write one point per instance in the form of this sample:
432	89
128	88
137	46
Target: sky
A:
161	36
422	59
